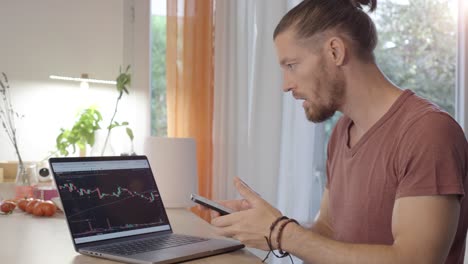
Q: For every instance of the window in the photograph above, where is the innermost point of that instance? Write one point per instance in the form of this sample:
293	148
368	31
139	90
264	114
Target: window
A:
417	48
158	69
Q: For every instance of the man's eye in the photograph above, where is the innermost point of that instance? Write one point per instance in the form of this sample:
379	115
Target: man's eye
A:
291	66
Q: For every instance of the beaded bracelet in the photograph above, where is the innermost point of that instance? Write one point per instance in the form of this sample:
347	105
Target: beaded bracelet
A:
282	253
280	233
273	225
277	221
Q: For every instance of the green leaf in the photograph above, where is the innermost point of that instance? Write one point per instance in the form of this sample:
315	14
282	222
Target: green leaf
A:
82	132
59	138
130	133
90	139
120	87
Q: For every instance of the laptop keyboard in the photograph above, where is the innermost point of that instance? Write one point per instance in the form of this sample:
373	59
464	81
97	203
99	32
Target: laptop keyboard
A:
146	245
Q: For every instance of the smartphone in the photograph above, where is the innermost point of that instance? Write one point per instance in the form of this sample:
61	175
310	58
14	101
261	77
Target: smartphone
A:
222	210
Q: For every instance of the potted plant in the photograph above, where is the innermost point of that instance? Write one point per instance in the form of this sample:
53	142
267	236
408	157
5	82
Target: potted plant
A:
81	134
123	83
87	125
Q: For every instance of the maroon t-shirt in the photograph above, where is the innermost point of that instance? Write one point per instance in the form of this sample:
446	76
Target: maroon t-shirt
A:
415	149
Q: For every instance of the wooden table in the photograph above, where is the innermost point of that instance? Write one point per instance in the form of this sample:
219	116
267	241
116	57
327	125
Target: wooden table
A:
28	239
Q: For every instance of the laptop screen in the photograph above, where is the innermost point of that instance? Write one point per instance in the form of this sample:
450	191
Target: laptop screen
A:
109	197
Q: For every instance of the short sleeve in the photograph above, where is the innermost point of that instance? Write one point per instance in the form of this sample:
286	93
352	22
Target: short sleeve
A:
432	157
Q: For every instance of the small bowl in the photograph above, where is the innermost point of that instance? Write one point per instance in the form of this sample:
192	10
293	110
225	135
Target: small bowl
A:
57	202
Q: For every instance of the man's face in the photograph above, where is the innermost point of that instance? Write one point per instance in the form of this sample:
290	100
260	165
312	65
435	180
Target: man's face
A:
310	77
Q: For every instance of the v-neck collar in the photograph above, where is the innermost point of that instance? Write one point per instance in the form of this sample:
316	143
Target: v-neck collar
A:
351	151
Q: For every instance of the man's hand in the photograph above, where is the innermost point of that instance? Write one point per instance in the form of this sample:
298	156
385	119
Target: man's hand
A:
251	223
236	205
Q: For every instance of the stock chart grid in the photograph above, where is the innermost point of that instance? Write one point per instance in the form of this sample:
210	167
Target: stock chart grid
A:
110	201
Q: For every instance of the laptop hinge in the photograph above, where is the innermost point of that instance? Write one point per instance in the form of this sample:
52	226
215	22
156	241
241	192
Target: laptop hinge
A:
121	239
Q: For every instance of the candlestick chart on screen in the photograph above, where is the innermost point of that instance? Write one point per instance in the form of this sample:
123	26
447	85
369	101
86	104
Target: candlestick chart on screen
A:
108	202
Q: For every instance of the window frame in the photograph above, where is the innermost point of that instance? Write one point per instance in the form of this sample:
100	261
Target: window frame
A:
137	52
461	94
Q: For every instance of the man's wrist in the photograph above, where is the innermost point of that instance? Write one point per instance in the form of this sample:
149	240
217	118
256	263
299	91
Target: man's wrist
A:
290	235
274	230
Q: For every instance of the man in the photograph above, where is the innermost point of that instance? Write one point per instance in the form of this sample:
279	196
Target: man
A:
397	164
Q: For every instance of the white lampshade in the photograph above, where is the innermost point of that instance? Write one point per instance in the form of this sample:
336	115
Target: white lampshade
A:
174	165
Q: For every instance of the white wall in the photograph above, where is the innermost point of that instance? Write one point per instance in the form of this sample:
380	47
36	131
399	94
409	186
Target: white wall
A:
60	37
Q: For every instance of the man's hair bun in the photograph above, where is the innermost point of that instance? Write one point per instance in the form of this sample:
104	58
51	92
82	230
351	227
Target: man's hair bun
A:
372	4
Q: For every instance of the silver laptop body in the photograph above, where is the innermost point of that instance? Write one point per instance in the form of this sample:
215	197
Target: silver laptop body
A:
114	210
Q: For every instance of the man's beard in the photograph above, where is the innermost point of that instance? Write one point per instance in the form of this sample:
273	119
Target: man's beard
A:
325	110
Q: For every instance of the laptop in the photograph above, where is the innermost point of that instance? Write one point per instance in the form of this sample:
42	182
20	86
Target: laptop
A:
114	211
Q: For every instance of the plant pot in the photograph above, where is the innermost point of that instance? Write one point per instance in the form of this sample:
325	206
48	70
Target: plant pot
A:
98	148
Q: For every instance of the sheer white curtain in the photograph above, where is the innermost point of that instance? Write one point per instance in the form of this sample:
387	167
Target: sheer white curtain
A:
301	176
260	133
247	97
302	163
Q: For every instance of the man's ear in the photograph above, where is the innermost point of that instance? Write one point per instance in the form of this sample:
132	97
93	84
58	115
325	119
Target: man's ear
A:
336	50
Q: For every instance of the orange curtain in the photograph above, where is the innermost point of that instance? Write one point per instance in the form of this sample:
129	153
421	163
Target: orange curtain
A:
189	62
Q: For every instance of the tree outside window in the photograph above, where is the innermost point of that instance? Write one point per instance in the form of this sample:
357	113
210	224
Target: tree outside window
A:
158	72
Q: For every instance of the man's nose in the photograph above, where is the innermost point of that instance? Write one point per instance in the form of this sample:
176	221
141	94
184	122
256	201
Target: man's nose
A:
287	85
